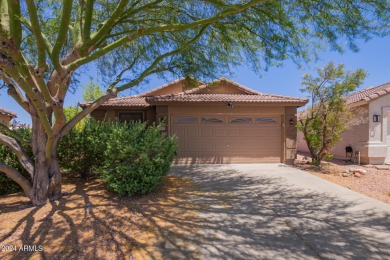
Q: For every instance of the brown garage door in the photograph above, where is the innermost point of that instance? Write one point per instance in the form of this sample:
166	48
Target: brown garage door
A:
227	139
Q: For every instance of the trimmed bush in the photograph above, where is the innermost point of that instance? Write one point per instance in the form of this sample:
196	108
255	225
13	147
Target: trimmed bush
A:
7	185
131	159
136	158
82	148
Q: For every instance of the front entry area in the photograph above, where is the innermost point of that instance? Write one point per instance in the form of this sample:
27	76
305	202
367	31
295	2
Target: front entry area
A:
227	138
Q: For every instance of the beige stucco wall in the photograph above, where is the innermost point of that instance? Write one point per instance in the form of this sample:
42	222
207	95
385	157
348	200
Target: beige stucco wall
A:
371	139
174	88
378	144
221	88
290	135
4	119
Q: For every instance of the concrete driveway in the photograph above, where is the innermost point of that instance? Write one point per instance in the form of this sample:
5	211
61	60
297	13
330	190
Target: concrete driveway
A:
274	211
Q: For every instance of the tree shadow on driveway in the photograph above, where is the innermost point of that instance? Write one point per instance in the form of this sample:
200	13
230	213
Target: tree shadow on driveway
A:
247	216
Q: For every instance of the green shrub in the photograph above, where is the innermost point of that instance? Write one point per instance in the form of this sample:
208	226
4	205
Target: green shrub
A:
7	185
136	158
82	148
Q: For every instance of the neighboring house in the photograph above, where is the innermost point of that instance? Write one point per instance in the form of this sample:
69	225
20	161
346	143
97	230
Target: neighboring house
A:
219	122
369	128
6	116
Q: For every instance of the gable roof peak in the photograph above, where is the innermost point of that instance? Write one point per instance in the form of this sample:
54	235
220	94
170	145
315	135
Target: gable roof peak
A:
166	85
242	88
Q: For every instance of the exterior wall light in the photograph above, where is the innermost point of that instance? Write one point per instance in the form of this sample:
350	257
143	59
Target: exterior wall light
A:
230	104
291	121
376	118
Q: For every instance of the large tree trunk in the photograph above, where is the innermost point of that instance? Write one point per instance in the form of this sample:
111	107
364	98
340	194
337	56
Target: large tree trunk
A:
39	192
55	180
46	183
47	177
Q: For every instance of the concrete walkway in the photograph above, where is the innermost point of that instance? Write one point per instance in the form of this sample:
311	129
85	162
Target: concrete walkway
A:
273	211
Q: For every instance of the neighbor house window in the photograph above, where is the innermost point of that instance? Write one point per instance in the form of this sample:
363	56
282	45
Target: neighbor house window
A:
130	117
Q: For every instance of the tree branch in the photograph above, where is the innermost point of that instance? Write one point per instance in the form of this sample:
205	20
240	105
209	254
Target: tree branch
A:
4	128
62	33
14	22
119	76
14	91
29	26
111	93
88	20
13	174
164	28
34	95
149	70
105	26
36	29
4	18
23	157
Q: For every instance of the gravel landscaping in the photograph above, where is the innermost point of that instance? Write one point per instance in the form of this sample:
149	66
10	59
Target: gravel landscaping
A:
373	181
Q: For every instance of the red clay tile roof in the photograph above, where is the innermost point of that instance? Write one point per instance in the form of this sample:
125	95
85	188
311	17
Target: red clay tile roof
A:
123	101
7	112
368	94
261	98
252	96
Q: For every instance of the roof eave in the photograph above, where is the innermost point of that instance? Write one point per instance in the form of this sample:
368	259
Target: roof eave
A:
278	103
358	103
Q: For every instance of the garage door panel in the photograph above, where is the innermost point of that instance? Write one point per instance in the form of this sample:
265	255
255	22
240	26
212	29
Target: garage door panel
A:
239	142
249	132
193	145
206	145
192	132
220	145
182	146
219	132
275	132
179	132
207	132
233	132
247	144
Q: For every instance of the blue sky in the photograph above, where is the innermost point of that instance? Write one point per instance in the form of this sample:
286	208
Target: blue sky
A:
374	57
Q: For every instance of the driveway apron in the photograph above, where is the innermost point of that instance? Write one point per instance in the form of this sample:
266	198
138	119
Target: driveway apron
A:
274	211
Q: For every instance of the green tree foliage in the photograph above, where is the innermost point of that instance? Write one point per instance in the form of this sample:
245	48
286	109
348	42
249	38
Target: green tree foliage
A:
45	45
92	91
323	123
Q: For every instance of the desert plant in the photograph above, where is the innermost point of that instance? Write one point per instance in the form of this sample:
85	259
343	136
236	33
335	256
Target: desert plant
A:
327	118
82	148
136	158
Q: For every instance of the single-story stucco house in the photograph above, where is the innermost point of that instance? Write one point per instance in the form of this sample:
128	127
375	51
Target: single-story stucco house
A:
369	127
219	122
6	116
